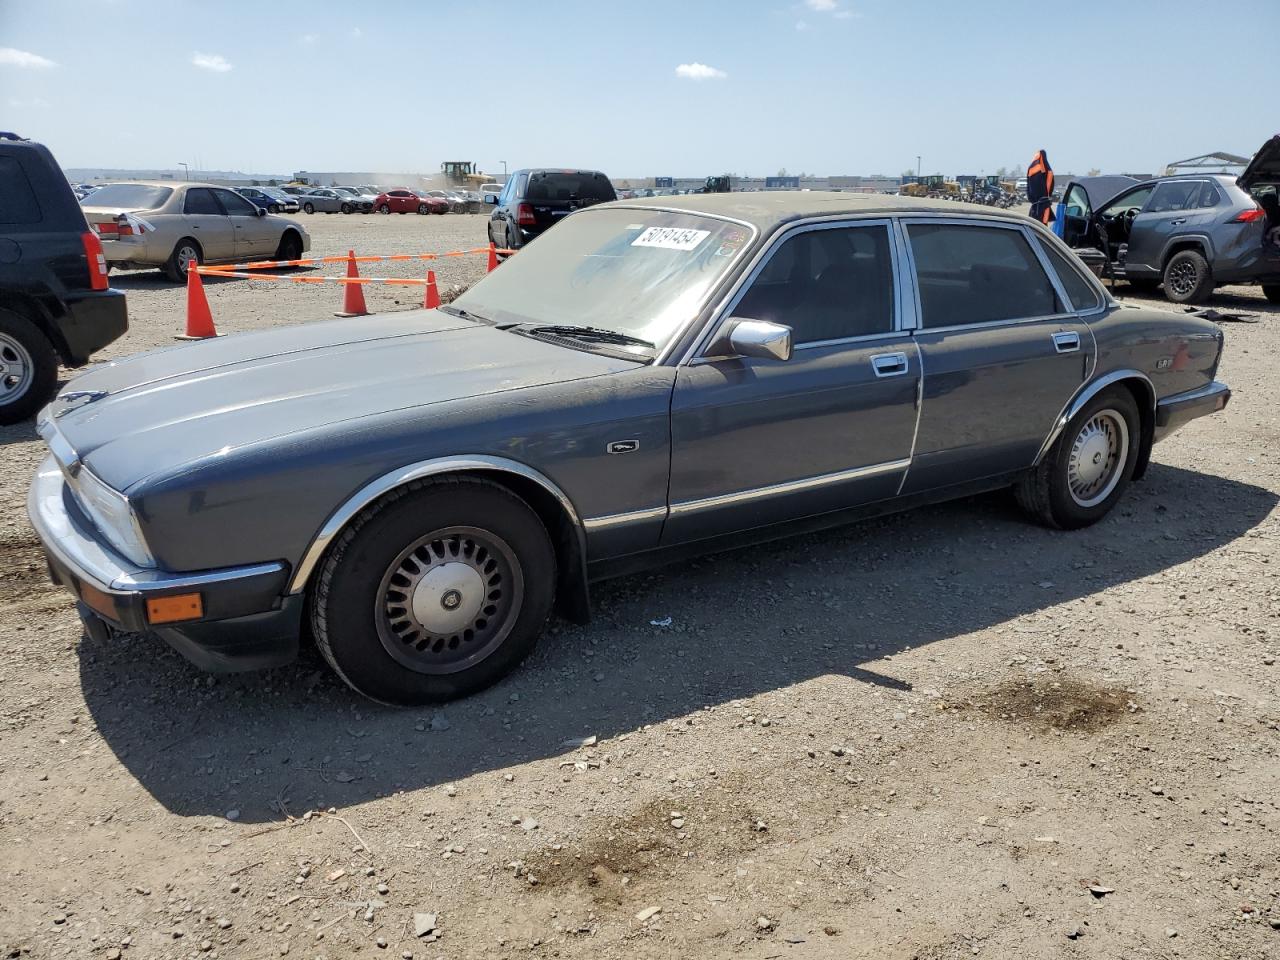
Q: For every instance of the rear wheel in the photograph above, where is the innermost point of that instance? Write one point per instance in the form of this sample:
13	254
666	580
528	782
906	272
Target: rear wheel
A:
1086	471
28	368
186	253
308	208
436	592
1271	291
1187	277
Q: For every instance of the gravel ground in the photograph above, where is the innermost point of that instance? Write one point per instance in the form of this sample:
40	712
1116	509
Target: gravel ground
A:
943	734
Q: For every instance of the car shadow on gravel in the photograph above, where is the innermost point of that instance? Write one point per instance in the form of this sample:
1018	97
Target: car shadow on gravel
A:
755	620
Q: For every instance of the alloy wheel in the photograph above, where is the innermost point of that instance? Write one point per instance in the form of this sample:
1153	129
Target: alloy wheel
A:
16	369
1183	278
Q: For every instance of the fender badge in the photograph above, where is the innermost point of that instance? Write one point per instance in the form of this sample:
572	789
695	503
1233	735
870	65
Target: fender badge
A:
623	446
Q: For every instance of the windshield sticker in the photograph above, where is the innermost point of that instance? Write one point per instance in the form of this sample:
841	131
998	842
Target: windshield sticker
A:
671	238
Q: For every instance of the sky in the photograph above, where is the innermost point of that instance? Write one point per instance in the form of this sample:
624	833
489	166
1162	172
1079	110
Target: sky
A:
650	88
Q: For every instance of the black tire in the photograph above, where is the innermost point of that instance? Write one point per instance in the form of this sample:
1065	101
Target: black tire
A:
28	368
1187	278
1271	291
423	209
273	208
185	251
1046	492
290	246
308	208
384	209
346	208
377	646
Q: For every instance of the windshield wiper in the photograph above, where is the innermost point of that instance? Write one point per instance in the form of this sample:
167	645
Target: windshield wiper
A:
464	314
592	334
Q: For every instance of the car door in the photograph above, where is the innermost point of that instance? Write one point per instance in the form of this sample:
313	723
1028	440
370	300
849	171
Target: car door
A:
253	236
1172	210
1077	212
756	441
1001	346
206	222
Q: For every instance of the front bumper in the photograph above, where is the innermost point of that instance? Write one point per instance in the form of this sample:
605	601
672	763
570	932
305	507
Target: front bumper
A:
248	623
1181	408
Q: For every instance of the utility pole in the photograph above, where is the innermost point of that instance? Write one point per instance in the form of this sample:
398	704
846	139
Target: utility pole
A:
185	173
917	167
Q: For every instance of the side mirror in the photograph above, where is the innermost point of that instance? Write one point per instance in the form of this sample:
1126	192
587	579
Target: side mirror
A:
260	211
760	339
491	198
1074	211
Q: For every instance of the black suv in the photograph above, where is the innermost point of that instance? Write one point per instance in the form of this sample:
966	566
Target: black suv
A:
536	200
55	301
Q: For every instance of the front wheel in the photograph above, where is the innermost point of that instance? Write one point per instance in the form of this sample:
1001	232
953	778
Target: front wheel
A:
273	208
423	208
290	247
1086	471
1271	291
28	368
384	209
1187	277
436	592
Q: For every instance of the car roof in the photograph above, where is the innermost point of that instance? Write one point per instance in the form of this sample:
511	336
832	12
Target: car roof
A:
767	209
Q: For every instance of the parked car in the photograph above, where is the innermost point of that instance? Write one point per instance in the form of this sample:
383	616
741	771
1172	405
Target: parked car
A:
640	384
327	200
1188	233
171	225
56	304
401	200
369	189
535	200
269	199
359	202
457	203
490	190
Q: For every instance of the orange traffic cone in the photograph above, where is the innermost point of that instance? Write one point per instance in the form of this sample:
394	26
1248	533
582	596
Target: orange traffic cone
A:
431	299
199	319
493	257
352	293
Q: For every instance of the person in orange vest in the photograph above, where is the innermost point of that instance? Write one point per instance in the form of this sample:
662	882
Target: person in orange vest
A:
1040	188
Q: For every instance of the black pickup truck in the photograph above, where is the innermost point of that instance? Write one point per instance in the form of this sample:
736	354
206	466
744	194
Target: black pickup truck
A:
55	300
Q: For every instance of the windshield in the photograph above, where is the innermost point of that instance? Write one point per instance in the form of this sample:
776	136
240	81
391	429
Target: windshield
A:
134	196
643	273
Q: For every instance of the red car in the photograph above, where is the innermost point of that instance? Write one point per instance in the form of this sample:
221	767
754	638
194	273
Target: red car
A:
401	200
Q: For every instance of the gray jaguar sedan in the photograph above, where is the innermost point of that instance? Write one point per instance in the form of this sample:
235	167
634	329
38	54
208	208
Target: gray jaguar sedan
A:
651	379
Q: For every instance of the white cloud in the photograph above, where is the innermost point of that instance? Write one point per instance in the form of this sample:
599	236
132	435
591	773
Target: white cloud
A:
11	57
307	38
357	32
845	14
801	26
699	71
821	6
211	61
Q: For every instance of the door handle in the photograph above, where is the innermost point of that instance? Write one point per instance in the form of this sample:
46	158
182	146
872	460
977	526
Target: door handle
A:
889	364
1178	222
1066	342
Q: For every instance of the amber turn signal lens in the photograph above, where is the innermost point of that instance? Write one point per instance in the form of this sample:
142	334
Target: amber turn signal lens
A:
183	606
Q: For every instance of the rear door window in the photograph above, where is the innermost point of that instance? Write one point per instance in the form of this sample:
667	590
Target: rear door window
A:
18	203
971	274
200	201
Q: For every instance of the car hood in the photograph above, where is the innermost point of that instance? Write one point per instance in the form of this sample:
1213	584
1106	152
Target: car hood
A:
150	415
1264	167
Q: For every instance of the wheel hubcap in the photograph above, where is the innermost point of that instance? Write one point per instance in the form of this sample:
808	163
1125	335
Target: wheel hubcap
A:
186	257
449	600
15	368
1097	457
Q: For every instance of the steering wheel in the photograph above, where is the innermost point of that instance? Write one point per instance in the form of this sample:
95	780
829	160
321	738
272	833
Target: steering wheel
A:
1129	217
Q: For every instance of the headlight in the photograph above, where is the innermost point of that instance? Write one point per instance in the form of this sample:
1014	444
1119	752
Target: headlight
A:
113	516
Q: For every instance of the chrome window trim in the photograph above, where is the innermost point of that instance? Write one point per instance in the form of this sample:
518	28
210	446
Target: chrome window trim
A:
753	494
616	520
384	484
724	309
915	431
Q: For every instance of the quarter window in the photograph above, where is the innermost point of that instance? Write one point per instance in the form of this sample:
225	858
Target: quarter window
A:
826	285
200	200
977	274
1210	196
1080	291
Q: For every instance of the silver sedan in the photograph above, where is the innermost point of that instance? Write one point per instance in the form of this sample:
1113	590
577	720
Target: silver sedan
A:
172	225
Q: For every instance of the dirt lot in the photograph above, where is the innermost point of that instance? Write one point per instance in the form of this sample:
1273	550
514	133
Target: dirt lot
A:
924	737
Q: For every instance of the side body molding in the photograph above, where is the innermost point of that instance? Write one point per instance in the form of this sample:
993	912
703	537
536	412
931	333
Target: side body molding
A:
417	471
1087	393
